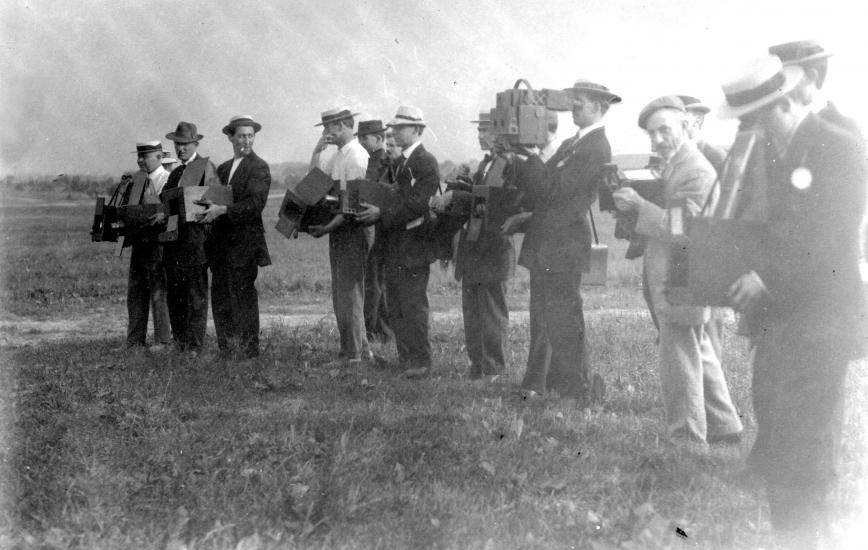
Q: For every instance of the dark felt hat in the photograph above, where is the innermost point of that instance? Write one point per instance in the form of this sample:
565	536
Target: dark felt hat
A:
241	120
186	132
370	127
594	89
663	102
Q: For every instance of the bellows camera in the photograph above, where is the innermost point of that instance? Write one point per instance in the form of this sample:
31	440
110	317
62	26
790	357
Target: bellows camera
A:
523	114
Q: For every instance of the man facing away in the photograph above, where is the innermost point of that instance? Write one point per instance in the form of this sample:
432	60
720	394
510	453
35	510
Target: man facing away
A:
696	111
695	396
408	249
184	259
236	246
349	240
372	136
802	297
146	285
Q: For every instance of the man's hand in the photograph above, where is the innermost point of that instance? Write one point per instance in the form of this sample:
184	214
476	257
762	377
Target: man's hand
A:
369	214
746	291
211	213
157	219
514	223
627	199
317	230
324	141
439	203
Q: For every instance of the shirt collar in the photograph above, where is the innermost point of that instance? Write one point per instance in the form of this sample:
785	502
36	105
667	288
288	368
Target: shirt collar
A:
345	148
192	158
409	150
585	131
158	171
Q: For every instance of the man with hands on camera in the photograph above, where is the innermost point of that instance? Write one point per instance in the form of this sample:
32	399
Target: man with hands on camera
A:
236	245
349	240
696	399
407	244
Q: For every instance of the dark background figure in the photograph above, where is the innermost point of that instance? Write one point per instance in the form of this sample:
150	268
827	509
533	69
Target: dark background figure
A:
146	285
557	248
803	298
184	259
372	136
236	245
409	251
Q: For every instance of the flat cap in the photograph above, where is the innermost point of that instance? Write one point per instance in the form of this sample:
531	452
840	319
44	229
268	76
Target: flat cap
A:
663	102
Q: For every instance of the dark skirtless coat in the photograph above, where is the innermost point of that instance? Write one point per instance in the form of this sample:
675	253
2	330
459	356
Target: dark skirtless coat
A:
813	321
558	238
236	249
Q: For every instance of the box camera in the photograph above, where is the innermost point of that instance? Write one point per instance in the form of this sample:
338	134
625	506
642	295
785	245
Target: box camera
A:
523	115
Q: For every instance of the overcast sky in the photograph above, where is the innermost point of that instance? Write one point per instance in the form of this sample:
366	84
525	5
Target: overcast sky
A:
82	81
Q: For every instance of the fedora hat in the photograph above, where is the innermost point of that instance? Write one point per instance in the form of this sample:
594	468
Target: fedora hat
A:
186	132
764	81
484	118
799	52
694	105
143	147
241	120
370	127
408	115
334	115
663	102
594	89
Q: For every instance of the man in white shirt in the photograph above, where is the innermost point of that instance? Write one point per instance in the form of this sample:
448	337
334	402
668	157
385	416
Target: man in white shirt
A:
349	241
146	284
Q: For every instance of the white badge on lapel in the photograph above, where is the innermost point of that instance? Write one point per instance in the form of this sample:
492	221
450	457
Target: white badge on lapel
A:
801	178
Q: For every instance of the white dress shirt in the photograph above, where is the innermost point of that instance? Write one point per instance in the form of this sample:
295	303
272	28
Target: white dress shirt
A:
349	163
158	178
235	162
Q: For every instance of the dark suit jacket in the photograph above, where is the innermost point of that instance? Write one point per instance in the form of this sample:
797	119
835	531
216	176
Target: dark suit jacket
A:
811	269
713	154
238	237
558	238
189	249
378	166
417	180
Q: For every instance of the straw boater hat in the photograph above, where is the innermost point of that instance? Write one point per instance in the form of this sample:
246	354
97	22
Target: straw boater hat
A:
143	147
594	89
186	132
484	118
370	127
665	102
799	52
408	116
334	115
763	82
241	120
168	157
694	105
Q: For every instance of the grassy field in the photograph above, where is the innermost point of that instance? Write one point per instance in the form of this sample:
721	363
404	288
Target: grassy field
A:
104	449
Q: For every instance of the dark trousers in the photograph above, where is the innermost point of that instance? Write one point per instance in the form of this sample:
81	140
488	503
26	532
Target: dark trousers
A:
408	313
486	321
235	307
798	396
348	255
376	303
146	291
556	359
187	295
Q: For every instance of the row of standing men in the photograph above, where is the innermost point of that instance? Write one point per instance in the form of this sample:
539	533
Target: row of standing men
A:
803	323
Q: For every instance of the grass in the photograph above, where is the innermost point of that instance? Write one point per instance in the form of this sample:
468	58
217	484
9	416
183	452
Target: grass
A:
113	450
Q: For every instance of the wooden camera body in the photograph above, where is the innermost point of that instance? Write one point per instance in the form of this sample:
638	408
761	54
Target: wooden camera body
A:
307	204
183	204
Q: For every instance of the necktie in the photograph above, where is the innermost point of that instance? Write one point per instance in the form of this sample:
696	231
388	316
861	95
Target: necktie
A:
174	180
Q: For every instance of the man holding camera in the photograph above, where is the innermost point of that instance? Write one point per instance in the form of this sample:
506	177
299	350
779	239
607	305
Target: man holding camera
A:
802	296
695	396
146	285
372	136
557	249
349	240
236	246
405	235
184	259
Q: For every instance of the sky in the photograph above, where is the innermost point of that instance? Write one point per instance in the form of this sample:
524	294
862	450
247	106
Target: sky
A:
82	81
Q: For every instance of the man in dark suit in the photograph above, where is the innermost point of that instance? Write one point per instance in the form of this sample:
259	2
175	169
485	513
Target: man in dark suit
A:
485	261
408	250
184	259
236	246
372	136
803	298
557	248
